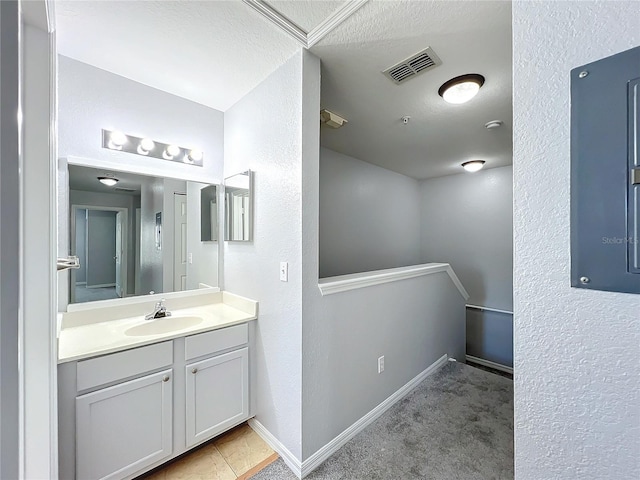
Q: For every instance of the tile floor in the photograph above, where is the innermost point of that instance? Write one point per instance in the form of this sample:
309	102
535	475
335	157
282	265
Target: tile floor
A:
237	454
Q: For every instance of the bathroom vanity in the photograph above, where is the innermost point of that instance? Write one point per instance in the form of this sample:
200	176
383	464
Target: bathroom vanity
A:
134	393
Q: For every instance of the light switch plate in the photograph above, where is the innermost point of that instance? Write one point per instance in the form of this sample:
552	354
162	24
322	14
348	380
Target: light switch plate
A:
284	271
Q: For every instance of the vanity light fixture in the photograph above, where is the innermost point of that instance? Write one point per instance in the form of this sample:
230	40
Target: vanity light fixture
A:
473	165
145	146
461	89
108	181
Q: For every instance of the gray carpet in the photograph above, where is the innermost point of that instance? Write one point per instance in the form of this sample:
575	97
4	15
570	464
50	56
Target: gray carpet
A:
84	294
456	425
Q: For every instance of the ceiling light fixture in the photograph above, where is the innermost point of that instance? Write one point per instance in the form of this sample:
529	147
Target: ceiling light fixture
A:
145	146
473	165
117	140
461	89
493	124
108	181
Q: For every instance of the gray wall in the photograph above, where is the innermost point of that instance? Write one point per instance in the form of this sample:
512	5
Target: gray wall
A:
9	242
101	247
369	216
577	359
80	197
467	221
81	245
412	323
151	258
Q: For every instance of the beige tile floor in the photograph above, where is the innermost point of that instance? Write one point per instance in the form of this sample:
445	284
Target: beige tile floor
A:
237	454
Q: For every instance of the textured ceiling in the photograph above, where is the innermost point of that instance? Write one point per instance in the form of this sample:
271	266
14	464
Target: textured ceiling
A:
211	52
215	52
469	37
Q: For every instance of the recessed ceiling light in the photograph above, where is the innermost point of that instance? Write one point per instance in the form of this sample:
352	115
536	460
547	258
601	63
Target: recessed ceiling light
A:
473	165
108	181
493	124
461	89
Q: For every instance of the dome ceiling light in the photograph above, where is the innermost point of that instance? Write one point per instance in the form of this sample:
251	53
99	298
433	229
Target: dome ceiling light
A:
473	165
108	181
461	89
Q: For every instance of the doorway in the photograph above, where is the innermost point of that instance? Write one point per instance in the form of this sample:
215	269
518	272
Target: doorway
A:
99	240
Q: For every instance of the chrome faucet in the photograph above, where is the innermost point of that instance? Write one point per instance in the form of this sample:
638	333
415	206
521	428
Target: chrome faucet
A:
159	311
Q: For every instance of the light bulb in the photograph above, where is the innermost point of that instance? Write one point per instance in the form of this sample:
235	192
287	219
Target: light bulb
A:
146	145
170	152
117	140
473	165
195	155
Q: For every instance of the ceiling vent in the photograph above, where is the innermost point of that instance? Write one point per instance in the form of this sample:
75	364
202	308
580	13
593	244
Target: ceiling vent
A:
412	66
124	189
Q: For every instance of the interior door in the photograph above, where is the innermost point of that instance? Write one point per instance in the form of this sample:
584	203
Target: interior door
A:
180	243
118	254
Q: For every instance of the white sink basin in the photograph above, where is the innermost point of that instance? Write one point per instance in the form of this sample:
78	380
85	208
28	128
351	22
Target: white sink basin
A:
162	325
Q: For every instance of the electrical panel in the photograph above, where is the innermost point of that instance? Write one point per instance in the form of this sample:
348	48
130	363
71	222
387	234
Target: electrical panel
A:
605	174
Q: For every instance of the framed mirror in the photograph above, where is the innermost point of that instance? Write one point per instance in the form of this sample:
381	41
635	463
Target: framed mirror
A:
238	207
137	234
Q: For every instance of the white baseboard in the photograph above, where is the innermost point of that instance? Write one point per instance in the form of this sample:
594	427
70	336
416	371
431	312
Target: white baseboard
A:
303	469
334	445
487	363
289	458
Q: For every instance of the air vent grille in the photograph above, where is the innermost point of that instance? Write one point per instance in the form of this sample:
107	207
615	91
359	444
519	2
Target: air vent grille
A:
412	66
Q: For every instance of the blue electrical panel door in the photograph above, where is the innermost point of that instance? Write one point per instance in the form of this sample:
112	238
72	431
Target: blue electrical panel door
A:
605	174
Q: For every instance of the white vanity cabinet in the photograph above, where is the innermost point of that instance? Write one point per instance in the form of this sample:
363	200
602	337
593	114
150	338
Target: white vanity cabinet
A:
217	395
125	413
124	428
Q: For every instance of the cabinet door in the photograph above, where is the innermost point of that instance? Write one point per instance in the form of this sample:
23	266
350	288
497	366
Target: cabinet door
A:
217	395
124	428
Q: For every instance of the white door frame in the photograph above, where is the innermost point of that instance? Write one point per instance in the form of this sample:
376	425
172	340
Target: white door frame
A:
124	265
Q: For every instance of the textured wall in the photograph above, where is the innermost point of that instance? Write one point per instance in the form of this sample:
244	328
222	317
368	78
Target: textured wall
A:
412	322
263	133
467	222
369	216
92	99
577	361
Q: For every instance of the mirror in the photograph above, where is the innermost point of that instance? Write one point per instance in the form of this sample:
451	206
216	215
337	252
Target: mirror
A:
139	234
238	205
209	214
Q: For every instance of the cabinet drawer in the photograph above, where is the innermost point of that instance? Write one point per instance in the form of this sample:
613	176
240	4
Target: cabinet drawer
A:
215	341
118	366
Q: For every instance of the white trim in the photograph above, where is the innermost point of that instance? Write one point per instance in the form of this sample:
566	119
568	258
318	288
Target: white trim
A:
306	39
279	20
488	309
315	460
102	285
331	22
289	458
139	169
490	364
343	283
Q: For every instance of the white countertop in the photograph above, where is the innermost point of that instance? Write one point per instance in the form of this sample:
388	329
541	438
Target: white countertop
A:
79	340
